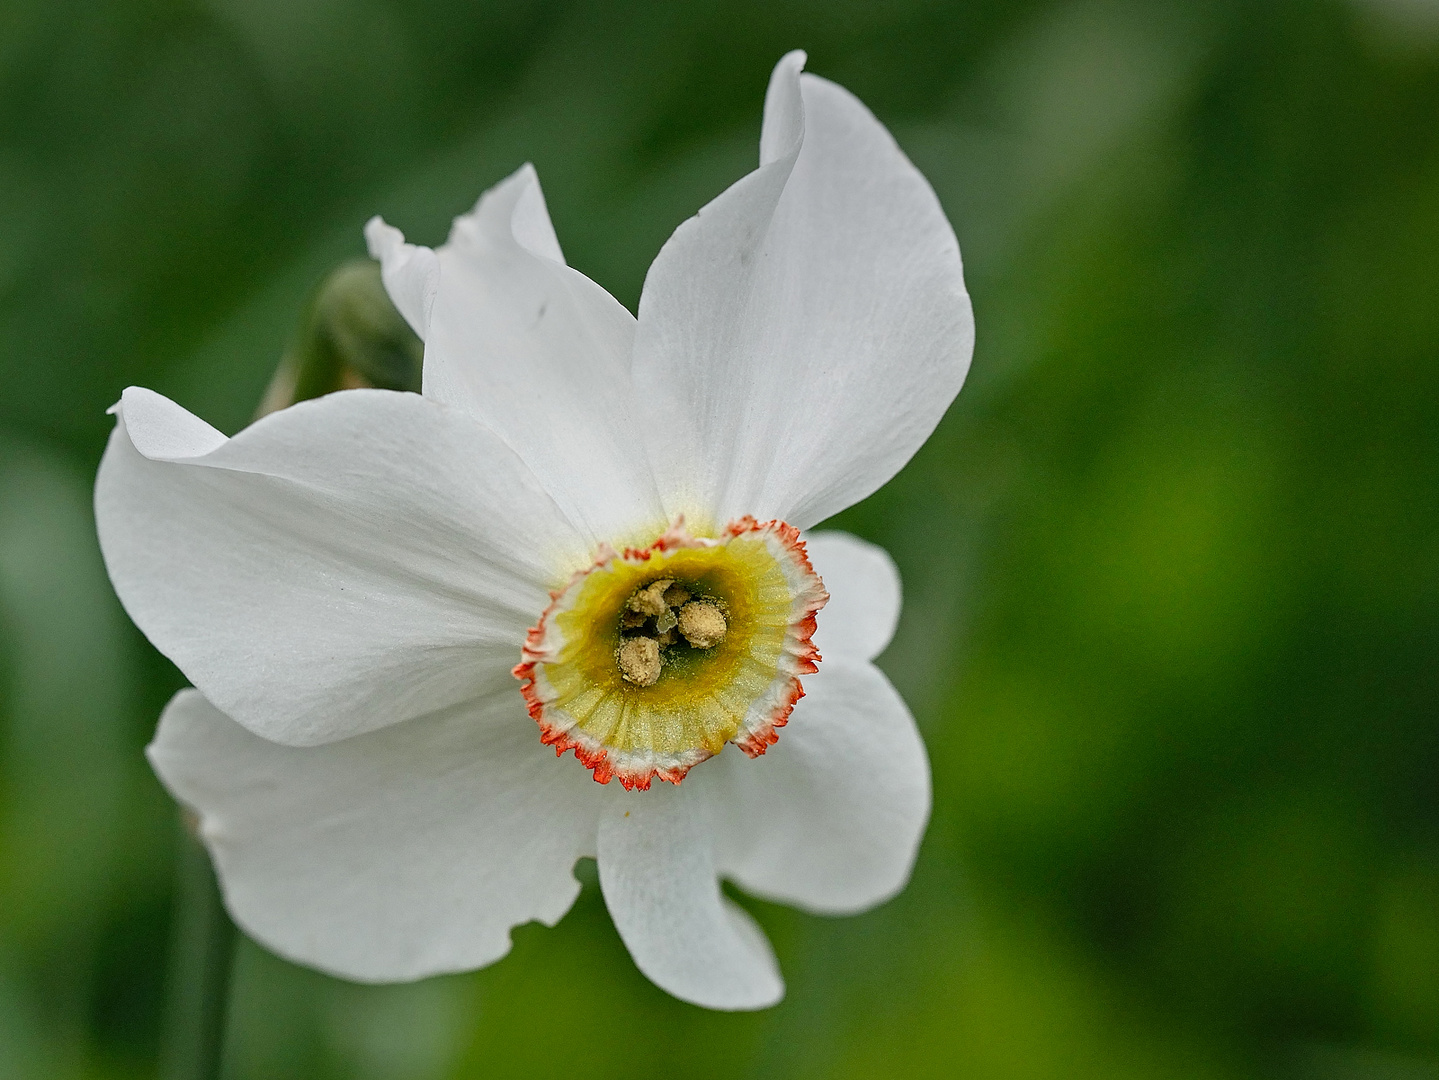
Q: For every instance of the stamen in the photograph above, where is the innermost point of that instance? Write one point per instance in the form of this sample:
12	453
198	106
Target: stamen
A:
639	660
651	599
657	616
703	624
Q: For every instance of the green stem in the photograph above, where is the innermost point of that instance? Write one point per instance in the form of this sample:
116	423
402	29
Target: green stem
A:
201	951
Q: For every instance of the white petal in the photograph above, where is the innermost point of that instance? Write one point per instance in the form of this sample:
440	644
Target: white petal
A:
341	565
395	855
541	355
529	224
830	819
411	274
658	876
811	323
864	595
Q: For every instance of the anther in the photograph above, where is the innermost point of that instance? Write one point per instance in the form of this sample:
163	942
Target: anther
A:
702	624
651	599
639	660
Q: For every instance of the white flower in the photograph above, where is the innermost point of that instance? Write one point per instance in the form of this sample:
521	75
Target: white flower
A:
607	507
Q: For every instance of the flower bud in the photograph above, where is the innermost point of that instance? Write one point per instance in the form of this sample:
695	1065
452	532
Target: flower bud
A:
351	337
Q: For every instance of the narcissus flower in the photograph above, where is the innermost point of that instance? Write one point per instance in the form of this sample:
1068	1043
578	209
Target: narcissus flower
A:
401	611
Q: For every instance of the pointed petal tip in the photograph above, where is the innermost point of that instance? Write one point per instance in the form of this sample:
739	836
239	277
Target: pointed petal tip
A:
161	430
382	238
783	127
411	273
513	210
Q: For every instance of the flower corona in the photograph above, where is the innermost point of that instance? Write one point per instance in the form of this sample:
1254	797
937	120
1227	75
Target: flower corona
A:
650	660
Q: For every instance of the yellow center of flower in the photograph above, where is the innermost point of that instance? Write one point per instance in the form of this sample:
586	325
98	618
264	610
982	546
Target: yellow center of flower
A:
652	659
659	622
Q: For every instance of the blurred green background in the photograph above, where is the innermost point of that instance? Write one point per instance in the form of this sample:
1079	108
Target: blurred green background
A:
1171	561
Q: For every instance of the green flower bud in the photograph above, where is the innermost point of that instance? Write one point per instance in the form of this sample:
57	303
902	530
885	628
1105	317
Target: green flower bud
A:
351	337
